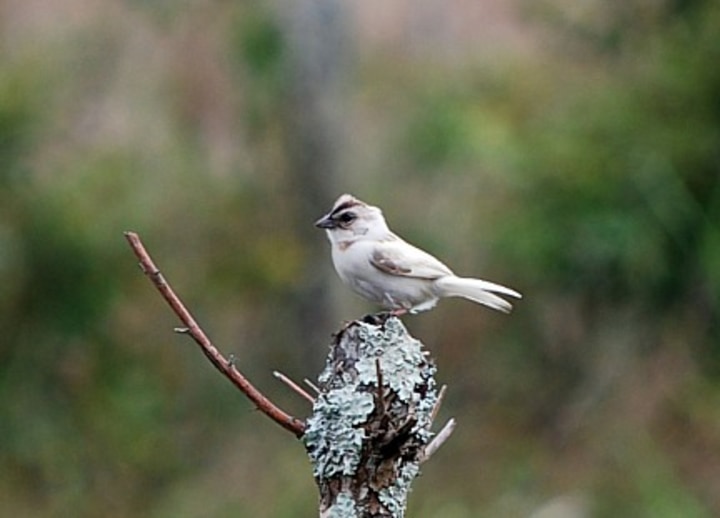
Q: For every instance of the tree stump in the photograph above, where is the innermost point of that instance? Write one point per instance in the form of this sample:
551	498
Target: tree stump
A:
370	427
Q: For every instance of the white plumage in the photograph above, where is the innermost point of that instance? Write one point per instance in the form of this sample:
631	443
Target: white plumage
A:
385	269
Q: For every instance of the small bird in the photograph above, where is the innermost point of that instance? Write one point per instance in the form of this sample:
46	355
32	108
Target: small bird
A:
383	268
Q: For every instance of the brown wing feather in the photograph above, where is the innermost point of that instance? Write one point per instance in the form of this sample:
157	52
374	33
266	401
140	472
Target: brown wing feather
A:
387	265
399	258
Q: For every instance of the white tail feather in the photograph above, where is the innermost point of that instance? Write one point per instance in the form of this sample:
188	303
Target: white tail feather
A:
482	292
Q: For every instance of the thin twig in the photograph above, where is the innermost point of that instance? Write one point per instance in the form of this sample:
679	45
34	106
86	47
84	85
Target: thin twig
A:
294	386
438	402
290	423
312	386
438	440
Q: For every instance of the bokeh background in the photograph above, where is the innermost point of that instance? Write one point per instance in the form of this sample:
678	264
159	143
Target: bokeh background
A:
568	149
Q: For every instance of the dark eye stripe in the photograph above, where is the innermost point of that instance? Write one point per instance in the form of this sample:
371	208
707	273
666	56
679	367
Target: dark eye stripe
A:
344	206
346	216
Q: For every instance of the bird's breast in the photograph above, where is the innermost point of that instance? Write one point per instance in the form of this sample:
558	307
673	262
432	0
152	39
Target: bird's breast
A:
393	291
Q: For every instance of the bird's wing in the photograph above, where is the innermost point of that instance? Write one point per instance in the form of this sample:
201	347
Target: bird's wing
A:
396	257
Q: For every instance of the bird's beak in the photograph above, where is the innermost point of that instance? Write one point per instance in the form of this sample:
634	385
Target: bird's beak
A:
325	222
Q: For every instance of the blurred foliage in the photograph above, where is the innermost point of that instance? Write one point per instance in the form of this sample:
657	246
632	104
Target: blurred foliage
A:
582	169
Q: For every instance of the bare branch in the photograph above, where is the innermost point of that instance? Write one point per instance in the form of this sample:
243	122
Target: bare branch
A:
290	423
438	403
294	386
438	440
311	385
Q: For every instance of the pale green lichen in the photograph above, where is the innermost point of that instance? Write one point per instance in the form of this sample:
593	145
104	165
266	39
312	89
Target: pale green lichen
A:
332	439
394	497
336	432
399	363
343	507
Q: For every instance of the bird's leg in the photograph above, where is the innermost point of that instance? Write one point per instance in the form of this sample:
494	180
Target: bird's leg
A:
398	309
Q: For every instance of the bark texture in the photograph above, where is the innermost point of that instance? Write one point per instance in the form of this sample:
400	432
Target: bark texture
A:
371	421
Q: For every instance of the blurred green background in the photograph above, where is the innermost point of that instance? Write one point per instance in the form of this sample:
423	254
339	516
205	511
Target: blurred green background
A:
570	150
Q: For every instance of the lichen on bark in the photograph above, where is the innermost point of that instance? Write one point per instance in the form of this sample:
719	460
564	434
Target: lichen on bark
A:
371	421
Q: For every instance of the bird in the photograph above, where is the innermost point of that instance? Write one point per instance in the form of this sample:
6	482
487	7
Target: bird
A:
385	269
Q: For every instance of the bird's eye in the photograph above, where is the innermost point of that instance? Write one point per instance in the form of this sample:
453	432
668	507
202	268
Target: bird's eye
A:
347	217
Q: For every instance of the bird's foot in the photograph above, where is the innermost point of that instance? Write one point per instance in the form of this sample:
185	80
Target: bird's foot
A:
383	316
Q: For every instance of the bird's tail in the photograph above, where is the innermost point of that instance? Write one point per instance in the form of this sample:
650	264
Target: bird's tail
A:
482	292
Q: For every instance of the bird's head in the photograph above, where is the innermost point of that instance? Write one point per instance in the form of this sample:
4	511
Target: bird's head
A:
351	220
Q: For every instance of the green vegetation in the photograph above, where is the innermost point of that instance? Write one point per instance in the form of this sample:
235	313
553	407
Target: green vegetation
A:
583	170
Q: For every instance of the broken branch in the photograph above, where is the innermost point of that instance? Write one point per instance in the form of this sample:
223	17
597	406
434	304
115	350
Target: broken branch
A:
438	440
227	368
294	386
